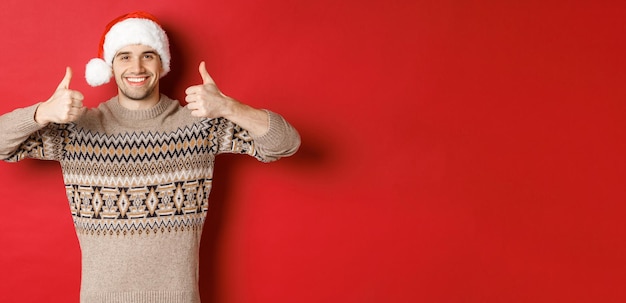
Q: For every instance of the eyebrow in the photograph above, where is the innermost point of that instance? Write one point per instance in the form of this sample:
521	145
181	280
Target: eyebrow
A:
130	53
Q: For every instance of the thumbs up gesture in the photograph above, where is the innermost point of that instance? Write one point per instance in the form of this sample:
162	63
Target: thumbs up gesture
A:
64	106
206	100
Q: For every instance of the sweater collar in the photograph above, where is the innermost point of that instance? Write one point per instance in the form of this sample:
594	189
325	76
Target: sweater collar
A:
142	114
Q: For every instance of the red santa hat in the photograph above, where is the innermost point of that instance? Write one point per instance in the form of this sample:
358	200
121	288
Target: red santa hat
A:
133	28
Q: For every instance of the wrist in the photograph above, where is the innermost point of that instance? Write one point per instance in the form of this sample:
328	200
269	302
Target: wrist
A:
40	116
231	108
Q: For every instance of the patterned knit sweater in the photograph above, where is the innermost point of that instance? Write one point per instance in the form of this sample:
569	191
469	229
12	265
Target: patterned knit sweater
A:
138	183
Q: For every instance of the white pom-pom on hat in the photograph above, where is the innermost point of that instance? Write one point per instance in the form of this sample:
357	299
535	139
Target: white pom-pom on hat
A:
98	72
133	28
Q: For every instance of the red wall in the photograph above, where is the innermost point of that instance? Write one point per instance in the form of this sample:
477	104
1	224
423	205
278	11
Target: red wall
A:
453	151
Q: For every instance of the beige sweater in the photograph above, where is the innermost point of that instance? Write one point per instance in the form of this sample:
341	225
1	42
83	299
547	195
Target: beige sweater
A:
138	183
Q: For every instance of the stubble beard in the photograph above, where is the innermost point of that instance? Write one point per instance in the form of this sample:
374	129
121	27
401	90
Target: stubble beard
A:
137	95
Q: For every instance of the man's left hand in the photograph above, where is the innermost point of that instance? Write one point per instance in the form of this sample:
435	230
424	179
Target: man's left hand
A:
206	100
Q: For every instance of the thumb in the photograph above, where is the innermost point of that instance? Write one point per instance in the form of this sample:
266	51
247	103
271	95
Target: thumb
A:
206	78
65	83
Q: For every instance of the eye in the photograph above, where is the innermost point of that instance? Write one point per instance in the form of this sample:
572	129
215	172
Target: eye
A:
148	56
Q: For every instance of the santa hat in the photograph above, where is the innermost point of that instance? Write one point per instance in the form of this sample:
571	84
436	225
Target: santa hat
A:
134	28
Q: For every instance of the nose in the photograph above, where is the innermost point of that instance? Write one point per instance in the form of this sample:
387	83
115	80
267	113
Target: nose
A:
137	65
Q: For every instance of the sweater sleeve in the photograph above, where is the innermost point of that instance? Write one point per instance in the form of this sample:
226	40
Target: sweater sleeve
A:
281	139
22	137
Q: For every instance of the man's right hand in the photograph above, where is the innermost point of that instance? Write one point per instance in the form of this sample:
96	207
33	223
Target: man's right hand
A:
64	106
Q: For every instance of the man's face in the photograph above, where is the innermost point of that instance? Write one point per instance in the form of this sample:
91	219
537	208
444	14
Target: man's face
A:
137	69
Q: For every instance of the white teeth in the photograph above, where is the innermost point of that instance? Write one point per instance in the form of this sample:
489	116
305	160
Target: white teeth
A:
136	80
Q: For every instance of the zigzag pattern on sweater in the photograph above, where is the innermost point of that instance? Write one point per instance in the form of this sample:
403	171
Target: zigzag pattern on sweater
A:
138	147
155	146
145	226
139	158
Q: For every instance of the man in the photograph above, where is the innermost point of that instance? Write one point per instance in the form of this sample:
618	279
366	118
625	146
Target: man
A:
138	168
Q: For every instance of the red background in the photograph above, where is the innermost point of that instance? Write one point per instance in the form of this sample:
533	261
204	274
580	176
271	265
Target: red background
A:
453	151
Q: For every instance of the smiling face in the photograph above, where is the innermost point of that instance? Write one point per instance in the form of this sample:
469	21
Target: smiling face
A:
137	70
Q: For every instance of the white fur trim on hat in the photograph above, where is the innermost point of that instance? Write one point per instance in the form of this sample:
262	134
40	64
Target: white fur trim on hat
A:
127	32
